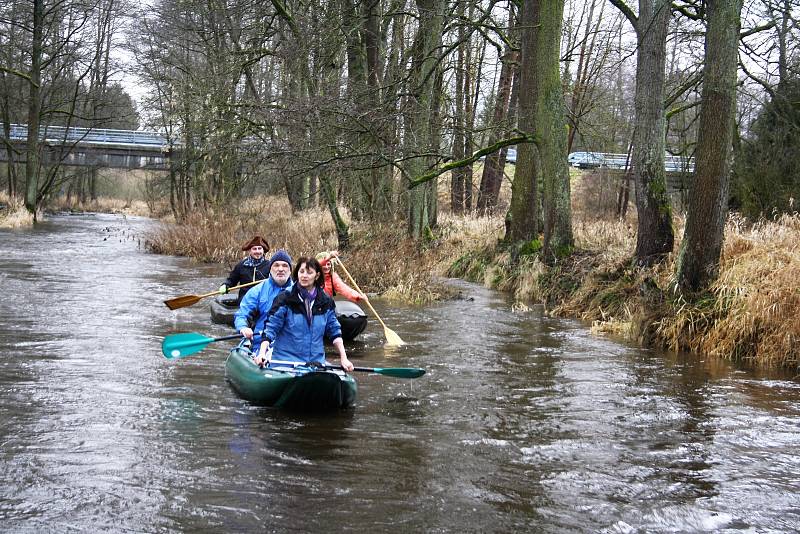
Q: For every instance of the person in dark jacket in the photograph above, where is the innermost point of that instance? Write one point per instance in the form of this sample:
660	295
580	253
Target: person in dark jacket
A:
251	269
300	319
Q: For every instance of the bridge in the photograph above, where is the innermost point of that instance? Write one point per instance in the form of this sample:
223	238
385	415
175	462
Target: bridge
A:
92	147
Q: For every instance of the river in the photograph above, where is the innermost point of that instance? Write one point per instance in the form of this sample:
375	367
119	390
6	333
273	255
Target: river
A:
522	423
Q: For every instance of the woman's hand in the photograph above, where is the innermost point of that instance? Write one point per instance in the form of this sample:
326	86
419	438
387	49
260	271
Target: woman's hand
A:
346	364
264	355
246	332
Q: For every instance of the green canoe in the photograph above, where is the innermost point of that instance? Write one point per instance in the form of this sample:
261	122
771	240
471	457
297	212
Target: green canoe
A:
299	388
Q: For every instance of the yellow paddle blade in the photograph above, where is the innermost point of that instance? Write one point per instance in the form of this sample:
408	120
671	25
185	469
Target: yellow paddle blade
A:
392	338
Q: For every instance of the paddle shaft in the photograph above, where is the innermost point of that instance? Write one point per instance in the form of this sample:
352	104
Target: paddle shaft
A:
324	366
378	317
188	300
397	372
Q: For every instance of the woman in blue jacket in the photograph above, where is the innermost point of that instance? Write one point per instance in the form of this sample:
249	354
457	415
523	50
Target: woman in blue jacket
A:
300	319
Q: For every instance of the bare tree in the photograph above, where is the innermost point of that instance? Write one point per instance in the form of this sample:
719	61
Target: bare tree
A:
655	237
698	261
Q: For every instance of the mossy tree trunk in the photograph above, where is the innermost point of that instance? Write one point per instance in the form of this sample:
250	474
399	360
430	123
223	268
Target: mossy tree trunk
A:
698	261
522	220
420	115
542	114
655	237
550	129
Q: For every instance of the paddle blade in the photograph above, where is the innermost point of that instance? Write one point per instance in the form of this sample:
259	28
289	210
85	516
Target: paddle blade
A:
392	338
401	372
182	302
182	345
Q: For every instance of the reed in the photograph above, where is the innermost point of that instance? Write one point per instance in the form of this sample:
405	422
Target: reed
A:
13	213
217	236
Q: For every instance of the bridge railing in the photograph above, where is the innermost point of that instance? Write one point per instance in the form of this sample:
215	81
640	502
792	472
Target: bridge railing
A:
593	160
102	136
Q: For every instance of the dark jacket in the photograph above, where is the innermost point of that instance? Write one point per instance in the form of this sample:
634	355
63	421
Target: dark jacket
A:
243	274
291	335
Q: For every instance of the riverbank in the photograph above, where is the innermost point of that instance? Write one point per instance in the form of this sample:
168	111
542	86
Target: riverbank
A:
751	314
13	213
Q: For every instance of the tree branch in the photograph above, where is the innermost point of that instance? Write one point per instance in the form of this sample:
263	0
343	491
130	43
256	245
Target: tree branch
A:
627	11
747	33
17	73
434	173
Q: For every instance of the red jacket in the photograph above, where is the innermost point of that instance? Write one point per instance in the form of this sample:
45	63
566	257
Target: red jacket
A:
335	285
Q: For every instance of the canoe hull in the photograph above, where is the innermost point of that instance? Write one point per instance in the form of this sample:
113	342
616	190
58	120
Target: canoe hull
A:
350	315
223	309
300	390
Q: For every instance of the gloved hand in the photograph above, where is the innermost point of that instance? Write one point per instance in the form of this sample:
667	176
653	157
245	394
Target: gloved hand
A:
222	289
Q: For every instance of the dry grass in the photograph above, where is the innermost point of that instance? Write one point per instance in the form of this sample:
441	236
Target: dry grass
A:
750	314
216	237
757	299
13	213
381	258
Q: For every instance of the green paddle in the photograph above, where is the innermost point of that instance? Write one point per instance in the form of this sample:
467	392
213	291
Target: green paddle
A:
181	345
397	372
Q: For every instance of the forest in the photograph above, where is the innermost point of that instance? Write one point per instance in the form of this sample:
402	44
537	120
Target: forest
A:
400	112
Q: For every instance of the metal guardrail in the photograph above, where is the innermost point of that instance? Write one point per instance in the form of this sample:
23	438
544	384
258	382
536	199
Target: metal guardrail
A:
140	140
593	160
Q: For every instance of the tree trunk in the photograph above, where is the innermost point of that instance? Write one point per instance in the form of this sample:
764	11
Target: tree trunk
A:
34	110
655	236
523	216
422	106
550	116
329	196
457	175
11	165
492	177
469	117
698	261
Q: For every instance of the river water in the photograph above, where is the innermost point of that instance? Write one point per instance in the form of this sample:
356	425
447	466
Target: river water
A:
522	422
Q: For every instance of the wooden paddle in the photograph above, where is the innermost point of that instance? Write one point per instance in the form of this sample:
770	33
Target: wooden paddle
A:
392	338
188	300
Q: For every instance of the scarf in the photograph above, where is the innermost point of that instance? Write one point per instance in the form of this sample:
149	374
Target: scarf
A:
308	299
249	261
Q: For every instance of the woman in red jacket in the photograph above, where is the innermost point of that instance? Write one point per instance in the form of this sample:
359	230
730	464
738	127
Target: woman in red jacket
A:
333	283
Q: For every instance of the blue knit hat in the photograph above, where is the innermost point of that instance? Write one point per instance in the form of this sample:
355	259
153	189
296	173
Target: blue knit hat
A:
280	255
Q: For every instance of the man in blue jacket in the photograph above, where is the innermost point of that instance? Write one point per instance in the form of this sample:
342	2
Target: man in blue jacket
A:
257	303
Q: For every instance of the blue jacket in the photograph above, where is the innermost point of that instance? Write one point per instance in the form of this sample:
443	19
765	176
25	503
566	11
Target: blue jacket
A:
292	337
256	305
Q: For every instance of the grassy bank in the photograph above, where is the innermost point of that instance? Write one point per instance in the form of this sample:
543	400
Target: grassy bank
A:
380	258
751	314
